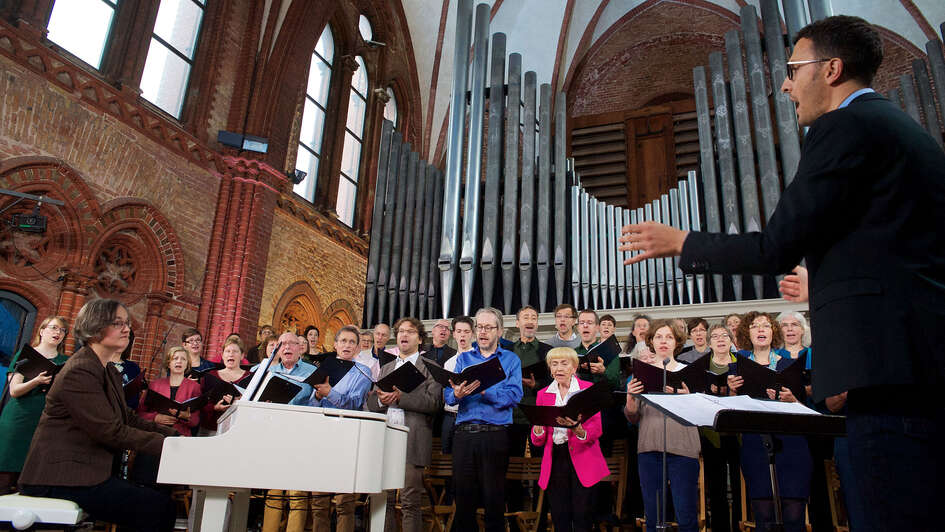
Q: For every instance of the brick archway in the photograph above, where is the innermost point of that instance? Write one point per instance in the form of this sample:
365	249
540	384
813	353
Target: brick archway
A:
65	243
298	307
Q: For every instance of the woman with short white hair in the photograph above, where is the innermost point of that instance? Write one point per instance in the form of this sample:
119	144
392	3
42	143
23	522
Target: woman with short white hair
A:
572	462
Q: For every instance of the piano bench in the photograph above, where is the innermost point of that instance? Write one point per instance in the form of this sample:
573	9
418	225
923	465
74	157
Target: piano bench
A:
23	512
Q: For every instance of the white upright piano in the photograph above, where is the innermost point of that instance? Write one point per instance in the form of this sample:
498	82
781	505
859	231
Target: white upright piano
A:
276	446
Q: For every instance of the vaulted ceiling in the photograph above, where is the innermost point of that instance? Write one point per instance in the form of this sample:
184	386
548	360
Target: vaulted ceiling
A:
557	37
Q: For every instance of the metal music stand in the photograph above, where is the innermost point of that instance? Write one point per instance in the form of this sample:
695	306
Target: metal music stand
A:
766	424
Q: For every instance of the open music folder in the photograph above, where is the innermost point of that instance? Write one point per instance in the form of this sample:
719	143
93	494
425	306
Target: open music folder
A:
406	378
584	403
488	373
758	379
31	363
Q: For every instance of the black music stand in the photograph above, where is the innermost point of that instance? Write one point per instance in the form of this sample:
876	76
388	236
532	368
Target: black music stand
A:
766	424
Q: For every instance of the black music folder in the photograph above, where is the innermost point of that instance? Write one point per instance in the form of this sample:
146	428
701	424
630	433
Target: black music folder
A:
406	378
488	373
584	403
539	370
651	376
134	387
216	387
758	378
695	375
604	352
31	363
161	404
278	389
720	380
332	368
386	357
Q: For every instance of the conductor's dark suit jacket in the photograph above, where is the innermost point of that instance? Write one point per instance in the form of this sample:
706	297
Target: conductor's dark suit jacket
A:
85	425
866	210
419	407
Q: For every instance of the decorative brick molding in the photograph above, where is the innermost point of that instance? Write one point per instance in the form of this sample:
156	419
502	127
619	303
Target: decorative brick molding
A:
25	50
329	227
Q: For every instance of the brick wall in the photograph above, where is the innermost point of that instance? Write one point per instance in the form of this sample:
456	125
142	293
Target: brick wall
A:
297	252
37	118
649	53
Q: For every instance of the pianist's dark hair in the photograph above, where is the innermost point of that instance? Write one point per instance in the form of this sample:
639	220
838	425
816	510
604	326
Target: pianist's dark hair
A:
417	324
94	317
850	39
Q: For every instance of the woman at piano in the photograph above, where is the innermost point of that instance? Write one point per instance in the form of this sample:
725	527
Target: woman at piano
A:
572	461
86	425
682	443
232	373
27	398
176	388
794	464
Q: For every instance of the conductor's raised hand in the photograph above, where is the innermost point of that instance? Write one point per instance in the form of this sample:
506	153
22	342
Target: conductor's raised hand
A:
462	389
653	239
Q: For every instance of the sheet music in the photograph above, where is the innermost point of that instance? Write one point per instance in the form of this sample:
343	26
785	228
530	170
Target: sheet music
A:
700	409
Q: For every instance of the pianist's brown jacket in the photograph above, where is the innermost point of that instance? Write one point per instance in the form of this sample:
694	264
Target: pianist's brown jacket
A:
84	426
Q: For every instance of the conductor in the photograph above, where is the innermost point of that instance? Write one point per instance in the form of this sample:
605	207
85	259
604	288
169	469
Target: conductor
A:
866	210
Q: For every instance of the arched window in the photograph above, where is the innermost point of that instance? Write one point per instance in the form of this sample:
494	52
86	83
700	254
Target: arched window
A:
364	28
171	54
313	114
351	155
82	27
390	109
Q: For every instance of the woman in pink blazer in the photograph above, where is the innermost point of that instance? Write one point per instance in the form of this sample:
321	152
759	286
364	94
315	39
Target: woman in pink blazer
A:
572	461
178	388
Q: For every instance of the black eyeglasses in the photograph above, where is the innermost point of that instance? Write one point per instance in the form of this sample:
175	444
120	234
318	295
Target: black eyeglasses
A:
792	66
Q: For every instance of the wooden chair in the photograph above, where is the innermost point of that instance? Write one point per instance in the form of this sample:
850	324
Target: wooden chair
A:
838	507
435	481
526	469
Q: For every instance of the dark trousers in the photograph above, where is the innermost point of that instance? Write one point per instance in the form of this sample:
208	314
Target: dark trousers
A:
568	500
683	474
896	460
480	461
721	473
117	501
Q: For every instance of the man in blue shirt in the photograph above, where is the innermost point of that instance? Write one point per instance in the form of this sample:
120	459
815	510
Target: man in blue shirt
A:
290	351
481	445
289	364
347	394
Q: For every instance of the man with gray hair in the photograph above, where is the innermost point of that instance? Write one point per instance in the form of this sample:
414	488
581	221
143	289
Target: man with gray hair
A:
481	443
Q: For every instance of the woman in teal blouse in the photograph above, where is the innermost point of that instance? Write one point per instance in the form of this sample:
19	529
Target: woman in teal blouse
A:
27	399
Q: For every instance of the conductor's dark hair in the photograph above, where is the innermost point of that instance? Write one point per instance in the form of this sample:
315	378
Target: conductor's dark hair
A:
850	39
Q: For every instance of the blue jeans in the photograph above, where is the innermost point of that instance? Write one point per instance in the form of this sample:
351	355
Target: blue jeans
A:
683	474
897	465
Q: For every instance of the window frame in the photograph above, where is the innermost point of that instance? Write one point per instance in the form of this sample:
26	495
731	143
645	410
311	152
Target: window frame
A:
320	155
190	62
